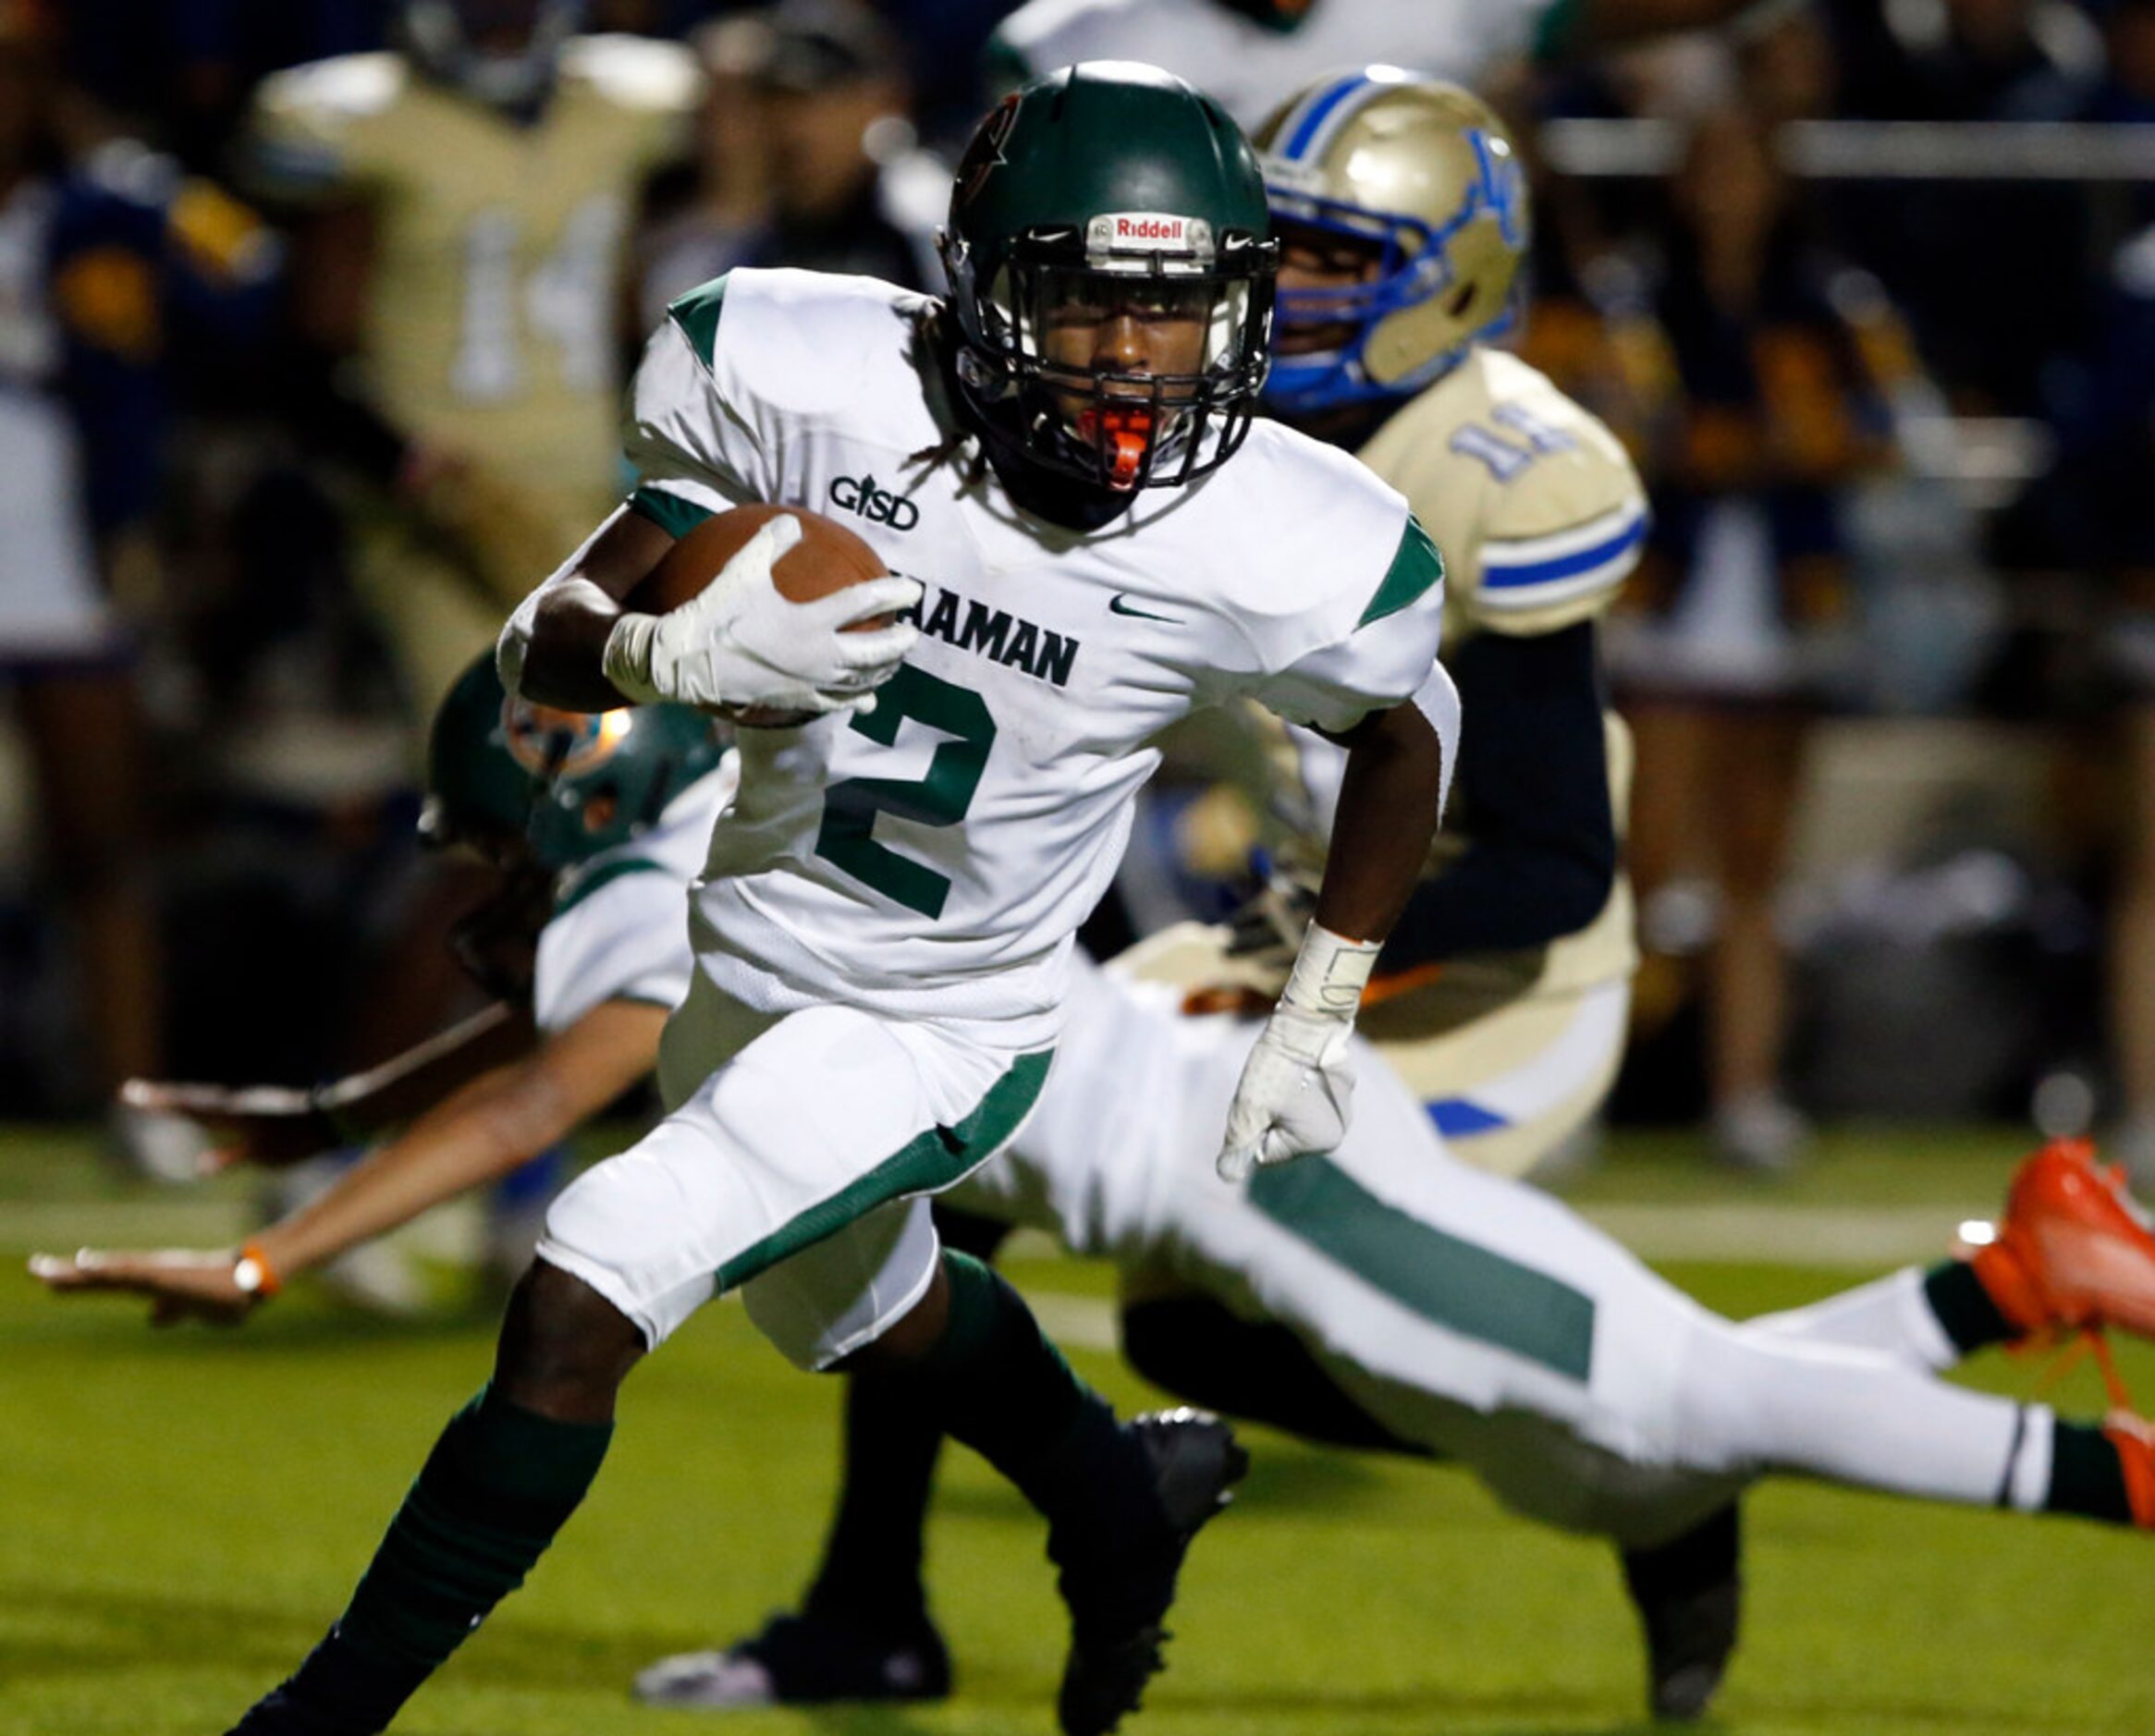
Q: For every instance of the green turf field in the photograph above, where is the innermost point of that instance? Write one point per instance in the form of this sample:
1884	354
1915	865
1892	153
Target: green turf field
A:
185	1511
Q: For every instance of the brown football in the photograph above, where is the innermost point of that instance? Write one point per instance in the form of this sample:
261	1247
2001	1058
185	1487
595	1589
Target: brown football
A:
827	557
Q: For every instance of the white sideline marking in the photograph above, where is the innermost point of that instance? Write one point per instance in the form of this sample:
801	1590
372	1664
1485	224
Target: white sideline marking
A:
59	1227
1786	1235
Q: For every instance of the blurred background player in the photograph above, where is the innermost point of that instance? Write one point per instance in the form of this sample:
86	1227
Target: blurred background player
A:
110	257
1743	631
462	305
461	291
1402	211
808	154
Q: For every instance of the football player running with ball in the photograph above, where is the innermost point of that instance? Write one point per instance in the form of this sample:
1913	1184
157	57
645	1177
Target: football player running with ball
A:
1388	1295
1103	543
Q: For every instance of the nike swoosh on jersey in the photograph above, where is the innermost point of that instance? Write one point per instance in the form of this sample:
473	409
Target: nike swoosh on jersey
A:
1117	606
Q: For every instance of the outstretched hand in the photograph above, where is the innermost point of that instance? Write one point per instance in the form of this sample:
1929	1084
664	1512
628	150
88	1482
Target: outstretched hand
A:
180	1284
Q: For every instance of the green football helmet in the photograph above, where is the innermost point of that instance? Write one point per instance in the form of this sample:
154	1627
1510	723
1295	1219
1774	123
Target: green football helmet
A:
1102	190
565	785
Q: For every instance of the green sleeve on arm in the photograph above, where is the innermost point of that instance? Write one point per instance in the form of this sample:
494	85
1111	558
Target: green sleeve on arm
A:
697	315
670	513
1415	566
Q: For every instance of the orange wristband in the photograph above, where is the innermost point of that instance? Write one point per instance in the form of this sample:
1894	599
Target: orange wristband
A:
253	1273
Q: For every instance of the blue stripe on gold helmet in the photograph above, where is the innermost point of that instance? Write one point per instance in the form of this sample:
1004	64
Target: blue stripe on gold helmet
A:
1422	174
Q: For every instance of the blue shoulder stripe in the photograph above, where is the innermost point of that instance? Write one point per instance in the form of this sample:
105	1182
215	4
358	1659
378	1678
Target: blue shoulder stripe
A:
1497	575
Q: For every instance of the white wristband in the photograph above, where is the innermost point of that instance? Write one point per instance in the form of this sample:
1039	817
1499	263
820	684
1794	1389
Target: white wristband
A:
627	660
1330	972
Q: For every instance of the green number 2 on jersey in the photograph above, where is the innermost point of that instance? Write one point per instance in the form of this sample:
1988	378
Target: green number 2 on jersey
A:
846	837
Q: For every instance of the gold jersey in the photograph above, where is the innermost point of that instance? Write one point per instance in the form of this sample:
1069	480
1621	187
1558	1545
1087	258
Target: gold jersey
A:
500	248
1539	516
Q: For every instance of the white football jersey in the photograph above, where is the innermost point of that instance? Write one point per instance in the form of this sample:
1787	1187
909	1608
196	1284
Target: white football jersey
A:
620	924
1250	68
935	856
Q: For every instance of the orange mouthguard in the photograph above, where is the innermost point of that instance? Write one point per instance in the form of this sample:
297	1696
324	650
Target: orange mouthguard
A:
1129	434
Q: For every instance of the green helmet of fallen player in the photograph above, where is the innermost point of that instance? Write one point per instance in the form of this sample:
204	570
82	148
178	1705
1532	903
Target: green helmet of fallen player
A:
1112	207
502	771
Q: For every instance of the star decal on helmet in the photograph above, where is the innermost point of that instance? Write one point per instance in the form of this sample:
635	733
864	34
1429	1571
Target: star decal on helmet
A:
985	153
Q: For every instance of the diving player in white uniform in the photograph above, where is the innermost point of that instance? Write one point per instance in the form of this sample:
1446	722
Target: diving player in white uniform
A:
1389	1295
597	824
1104	544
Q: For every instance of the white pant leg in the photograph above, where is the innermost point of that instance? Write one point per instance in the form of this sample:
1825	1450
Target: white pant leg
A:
790	1138
1759	1401
1890	1316
884	1263
1475	1315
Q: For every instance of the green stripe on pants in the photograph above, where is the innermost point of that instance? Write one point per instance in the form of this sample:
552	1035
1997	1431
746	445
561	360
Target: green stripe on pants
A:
1457	1285
930	1160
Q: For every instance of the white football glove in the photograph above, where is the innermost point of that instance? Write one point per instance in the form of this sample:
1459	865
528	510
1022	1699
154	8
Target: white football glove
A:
1295	1094
739	642
1296	1090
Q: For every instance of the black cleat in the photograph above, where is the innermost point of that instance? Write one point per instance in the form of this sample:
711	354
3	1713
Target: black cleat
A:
1689	1596
808	1660
1120	1596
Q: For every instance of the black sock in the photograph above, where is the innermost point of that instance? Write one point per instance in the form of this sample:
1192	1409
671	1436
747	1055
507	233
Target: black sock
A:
1964	1307
500	1481
1004	1390
870	1577
2086	1476
1202	1352
871	1573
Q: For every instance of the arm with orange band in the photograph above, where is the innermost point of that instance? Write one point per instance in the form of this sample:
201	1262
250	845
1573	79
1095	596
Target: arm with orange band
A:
480	1134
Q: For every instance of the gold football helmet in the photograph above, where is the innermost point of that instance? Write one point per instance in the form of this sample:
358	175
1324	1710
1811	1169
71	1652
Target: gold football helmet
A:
1420	177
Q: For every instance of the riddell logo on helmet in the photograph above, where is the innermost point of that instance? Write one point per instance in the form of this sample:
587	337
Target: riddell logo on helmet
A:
1148	232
